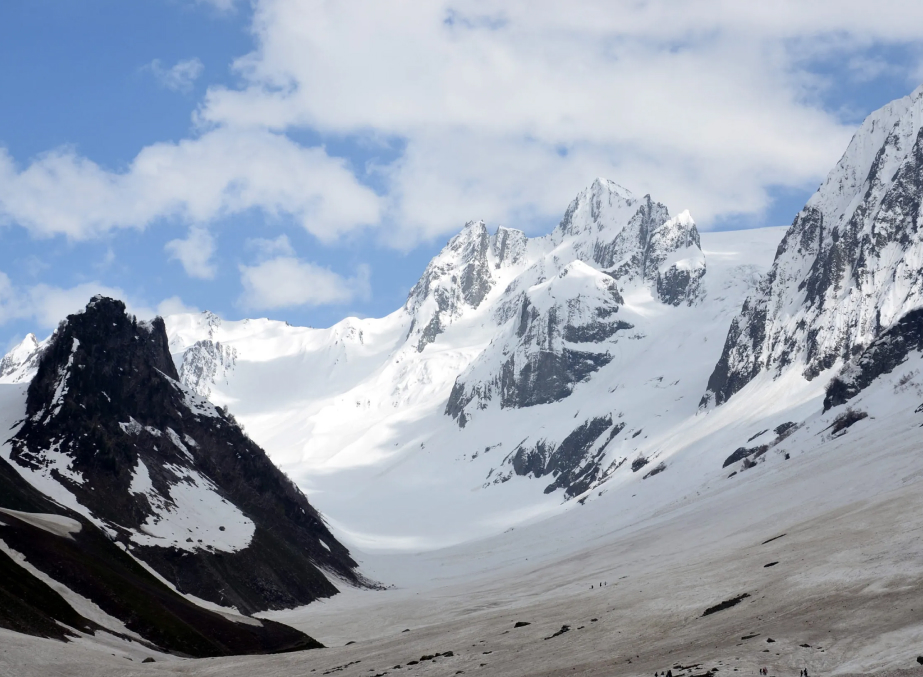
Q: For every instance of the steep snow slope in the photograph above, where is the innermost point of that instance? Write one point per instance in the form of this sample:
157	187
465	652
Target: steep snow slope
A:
364	415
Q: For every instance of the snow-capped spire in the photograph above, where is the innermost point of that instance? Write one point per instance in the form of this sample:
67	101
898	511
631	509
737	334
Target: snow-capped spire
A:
19	365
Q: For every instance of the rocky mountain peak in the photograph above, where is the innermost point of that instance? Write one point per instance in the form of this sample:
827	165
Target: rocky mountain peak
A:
171	477
601	206
18	365
849	266
457	278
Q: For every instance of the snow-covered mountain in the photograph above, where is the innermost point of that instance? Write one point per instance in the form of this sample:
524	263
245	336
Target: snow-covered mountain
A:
108	433
20	364
849	268
543	395
520	373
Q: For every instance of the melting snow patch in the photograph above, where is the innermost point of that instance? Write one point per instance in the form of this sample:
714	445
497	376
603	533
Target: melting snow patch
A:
140	479
194	516
178	443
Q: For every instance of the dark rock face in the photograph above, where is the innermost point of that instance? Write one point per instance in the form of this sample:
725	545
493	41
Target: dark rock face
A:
93	565
571	463
744	452
847	268
636	240
678	285
554	346
509	246
882	356
108	420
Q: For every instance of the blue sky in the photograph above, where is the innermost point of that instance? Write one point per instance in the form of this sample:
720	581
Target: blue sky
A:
305	160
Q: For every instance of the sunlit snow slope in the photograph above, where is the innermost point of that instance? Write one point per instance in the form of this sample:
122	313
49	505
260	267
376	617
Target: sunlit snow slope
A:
522	375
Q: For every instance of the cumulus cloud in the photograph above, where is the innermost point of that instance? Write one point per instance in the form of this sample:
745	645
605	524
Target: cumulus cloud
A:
180	77
501	109
286	282
46	305
266	249
507	108
174	306
195	253
225	171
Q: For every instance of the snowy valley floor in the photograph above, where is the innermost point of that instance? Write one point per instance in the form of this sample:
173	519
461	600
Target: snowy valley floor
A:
845	597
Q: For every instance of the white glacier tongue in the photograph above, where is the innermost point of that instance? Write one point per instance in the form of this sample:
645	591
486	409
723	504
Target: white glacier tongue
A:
848	268
572	353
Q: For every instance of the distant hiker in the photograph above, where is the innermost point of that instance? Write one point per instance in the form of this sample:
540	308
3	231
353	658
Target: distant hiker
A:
669	673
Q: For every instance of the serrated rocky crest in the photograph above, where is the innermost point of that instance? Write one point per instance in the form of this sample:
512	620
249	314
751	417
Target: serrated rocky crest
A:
559	317
498	322
205	363
171	477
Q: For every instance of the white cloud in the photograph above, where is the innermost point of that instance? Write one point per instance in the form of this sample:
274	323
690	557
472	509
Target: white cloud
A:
223	172
286	281
503	109
180	77
174	306
47	305
509	107
195	253
266	249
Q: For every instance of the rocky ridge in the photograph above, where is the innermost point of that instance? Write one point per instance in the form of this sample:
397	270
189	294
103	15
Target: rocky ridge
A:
847	269
498	322
113	434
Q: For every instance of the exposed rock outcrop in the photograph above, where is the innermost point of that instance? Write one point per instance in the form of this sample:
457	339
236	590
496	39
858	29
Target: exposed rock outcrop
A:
170	476
850	266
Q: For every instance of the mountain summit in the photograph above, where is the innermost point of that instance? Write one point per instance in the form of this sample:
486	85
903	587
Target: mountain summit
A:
516	360
111	433
847	269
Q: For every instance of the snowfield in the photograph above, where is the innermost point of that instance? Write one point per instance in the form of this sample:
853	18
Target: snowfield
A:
840	518
356	415
610	450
